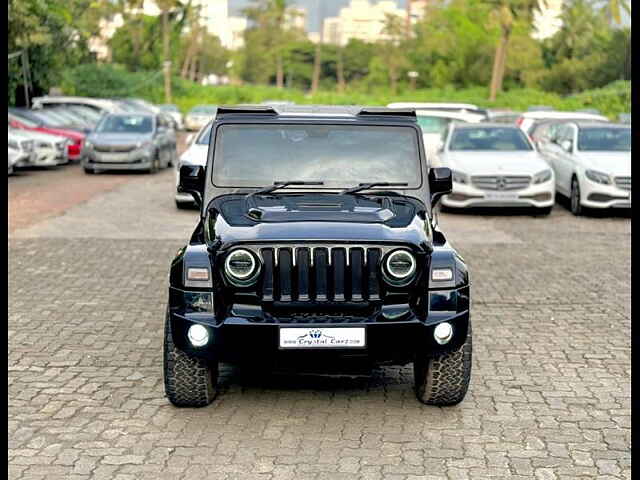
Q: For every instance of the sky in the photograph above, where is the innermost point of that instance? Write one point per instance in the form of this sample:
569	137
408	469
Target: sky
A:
330	8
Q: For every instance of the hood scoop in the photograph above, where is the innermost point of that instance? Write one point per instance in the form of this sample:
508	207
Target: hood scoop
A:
302	208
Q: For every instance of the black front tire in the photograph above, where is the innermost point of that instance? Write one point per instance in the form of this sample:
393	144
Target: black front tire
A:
89	171
188	381
576	206
444	380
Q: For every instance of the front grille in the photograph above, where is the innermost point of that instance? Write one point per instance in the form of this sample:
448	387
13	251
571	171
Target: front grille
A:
493	182
27	145
320	274
624	183
114	148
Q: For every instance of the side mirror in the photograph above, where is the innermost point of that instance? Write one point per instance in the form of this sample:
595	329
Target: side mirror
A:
440	183
192	178
566	145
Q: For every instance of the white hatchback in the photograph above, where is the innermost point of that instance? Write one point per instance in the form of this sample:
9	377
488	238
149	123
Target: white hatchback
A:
495	165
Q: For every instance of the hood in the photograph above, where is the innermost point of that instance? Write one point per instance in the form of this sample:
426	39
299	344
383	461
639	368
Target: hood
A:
320	217
613	163
119	138
196	154
495	163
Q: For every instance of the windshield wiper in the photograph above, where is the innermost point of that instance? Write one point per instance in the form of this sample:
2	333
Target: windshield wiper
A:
367	186
277	185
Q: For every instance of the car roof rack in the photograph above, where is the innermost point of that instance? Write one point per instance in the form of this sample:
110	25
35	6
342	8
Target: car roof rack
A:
385	111
247	110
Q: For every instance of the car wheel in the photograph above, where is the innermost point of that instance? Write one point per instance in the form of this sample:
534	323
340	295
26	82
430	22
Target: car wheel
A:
89	171
576	206
155	165
444	380
188	381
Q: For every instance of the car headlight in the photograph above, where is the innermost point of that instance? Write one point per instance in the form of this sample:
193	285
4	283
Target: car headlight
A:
598	177
241	268
399	268
459	177
543	176
88	145
145	145
13	144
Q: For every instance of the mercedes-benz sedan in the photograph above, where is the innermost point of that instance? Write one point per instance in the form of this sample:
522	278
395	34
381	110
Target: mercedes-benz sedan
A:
495	165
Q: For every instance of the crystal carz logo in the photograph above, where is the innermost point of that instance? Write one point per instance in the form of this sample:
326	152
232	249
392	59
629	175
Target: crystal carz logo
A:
318	338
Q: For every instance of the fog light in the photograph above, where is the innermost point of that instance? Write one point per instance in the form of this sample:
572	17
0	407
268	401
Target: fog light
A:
443	333
199	335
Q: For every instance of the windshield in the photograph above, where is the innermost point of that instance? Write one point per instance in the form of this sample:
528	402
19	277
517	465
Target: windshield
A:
433	124
126	124
204	109
489	139
341	156
604	139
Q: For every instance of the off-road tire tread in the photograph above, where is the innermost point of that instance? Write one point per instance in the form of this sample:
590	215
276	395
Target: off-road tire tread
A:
188	381
444	380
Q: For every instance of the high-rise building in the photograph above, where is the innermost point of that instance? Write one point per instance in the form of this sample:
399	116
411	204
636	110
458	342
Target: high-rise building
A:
361	20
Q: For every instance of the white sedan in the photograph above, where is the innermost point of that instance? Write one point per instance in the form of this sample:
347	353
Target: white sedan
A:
592	164
48	150
495	165
195	154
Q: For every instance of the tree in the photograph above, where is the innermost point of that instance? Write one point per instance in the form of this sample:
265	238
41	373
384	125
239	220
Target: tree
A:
391	51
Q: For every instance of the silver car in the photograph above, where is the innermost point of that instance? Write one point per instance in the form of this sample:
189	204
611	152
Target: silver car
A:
132	141
199	116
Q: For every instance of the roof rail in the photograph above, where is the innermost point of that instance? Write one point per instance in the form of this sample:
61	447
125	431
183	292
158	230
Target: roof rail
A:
385	111
246	110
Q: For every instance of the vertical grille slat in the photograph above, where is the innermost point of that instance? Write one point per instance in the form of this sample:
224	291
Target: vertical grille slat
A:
321	268
267	282
373	287
624	183
356	264
339	273
303	269
285	268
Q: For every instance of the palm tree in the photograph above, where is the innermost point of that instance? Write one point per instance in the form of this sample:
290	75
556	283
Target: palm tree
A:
165	7
614	10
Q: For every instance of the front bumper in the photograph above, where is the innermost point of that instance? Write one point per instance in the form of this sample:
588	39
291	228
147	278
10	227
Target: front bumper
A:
596	195
46	158
240	340
465	196
134	160
25	159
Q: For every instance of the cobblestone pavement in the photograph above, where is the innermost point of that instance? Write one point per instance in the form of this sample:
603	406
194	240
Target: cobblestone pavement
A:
549	397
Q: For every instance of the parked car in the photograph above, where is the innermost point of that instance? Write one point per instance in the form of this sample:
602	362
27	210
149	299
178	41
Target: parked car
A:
13	157
199	116
346	265
434	125
527	119
101	105
195	154
130	141
592	163
24	147
174	112
502	116
138	104
41	122
496	165
50	150
474	112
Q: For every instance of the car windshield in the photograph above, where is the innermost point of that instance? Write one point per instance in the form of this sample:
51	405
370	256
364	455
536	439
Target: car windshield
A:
433	124
341	156
604	139
489	139
204	109
126	124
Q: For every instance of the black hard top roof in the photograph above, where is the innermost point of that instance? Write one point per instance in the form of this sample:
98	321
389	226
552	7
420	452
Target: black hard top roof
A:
332	112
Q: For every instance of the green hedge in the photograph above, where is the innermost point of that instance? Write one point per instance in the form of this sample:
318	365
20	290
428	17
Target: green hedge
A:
114	81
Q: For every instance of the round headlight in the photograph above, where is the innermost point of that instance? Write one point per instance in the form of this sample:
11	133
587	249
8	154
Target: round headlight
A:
241	267
399	267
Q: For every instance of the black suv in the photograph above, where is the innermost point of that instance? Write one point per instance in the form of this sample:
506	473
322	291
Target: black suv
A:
317	246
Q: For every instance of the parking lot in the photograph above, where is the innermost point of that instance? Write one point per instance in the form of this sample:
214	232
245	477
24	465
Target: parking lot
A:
88	264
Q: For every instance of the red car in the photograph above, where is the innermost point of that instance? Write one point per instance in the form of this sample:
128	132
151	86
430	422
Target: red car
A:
29	121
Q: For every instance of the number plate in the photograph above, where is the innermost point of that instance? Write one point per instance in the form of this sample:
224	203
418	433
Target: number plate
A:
321	337
501	196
